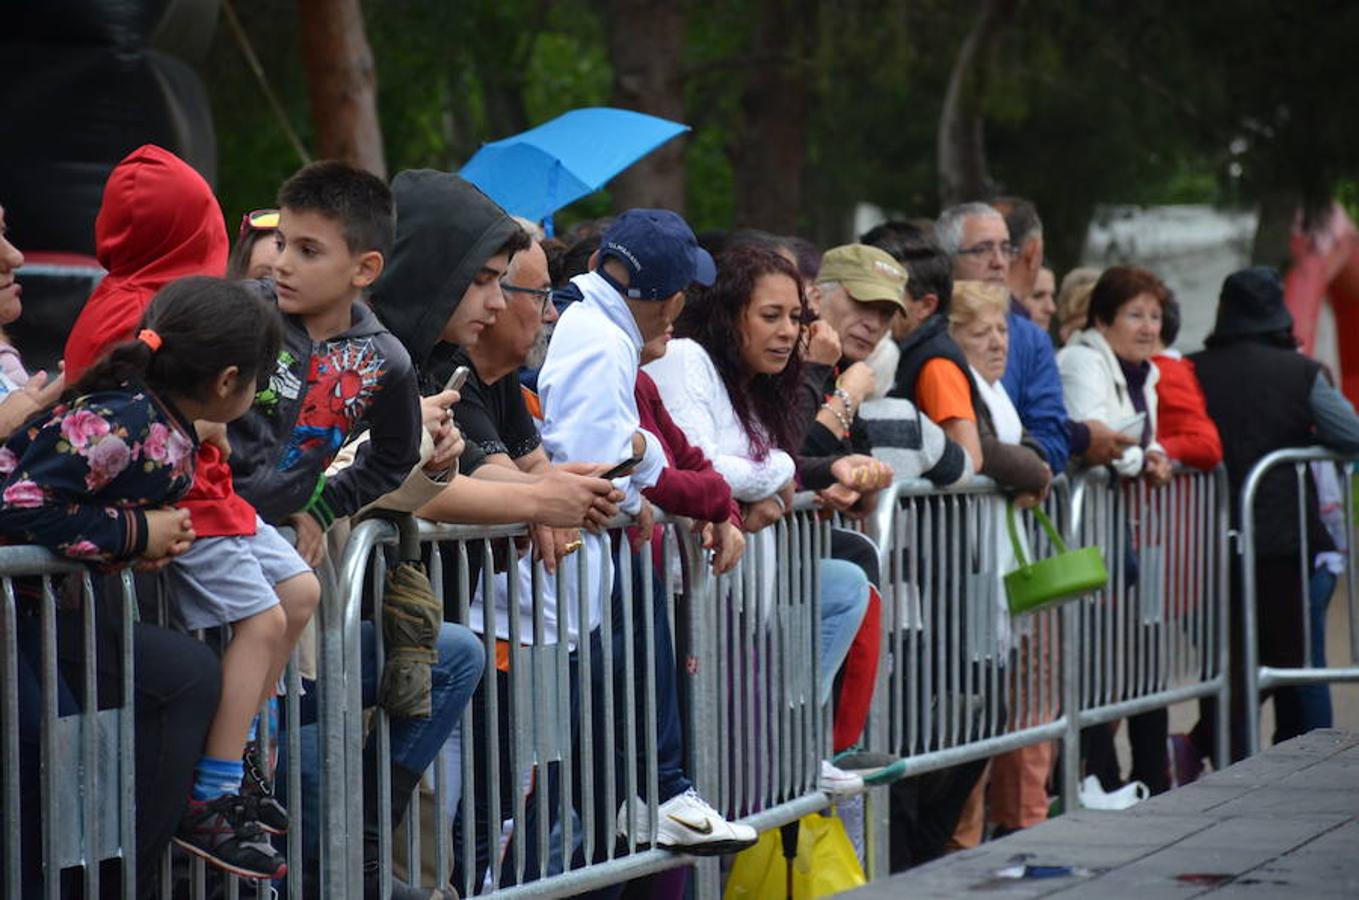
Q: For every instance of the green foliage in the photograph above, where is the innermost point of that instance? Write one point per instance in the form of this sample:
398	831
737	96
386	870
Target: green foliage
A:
1085	101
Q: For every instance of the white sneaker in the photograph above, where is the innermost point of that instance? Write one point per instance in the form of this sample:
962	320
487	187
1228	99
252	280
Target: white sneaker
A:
689	825
1093	796
835	782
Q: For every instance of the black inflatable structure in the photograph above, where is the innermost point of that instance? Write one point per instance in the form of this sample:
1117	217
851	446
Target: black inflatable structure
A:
90	81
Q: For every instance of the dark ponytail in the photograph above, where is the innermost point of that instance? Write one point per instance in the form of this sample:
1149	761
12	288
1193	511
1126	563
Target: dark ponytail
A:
204	325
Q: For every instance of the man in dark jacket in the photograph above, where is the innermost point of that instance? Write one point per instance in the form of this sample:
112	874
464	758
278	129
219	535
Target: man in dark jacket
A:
441	289
1264	395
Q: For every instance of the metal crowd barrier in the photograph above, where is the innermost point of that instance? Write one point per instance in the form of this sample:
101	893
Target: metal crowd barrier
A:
85	754
959	680
1258	678
57	629
754	735
1158	634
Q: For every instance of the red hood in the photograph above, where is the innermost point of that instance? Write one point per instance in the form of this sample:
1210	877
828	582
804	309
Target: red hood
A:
159	221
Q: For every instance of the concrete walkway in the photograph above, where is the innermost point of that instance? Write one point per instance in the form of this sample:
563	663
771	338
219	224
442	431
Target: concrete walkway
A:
1284	823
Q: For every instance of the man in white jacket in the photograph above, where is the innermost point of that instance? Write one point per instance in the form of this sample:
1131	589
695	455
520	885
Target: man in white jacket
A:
632	294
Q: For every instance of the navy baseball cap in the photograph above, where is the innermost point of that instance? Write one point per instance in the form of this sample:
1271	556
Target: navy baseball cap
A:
659	251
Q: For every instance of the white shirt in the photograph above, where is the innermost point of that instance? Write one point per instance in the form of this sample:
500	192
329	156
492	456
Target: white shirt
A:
697	401
1009	429
586	388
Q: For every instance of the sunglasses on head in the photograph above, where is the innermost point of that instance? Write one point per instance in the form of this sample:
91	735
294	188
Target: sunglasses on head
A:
259	220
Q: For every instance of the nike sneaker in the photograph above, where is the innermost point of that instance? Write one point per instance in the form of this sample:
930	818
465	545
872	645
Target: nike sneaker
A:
689	825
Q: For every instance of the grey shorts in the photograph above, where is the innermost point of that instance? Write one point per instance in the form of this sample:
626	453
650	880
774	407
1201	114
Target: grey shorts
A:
227	579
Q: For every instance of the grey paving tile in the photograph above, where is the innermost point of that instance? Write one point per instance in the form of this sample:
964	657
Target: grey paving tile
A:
1273	833
1291	801
1198	797
1285	823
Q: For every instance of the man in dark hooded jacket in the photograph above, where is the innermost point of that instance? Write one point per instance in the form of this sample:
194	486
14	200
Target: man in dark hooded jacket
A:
440	290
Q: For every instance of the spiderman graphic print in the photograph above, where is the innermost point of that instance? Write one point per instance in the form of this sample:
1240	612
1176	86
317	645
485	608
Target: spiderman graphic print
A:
341	385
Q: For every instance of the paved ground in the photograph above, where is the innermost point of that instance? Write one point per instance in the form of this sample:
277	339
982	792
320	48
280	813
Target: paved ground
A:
1283	823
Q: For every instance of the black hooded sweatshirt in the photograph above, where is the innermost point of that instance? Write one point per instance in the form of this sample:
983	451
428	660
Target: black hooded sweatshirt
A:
446	229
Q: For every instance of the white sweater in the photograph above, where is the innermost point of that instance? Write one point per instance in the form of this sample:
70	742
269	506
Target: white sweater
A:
698	402
587	388
1094	388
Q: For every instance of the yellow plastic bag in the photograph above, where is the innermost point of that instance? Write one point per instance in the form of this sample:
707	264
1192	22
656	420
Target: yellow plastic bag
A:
825	865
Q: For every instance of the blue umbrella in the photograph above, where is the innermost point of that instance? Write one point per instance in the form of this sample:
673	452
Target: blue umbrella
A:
537	172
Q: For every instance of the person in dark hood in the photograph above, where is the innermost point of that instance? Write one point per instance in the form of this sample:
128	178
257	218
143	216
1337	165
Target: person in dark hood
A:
1264	395
439	292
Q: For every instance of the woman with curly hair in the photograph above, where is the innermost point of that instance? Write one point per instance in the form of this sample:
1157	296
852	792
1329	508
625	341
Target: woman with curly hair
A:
729	380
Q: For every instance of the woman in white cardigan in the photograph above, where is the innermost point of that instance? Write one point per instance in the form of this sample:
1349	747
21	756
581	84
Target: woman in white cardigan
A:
730	385
1106	368
1107	374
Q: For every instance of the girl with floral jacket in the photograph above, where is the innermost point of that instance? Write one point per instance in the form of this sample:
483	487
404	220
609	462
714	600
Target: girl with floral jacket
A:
93	478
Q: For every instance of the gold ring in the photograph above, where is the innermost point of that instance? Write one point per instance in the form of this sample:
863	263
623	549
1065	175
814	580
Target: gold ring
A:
571	547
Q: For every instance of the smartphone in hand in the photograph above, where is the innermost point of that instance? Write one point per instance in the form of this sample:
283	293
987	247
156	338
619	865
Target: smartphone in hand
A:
623	468
457	379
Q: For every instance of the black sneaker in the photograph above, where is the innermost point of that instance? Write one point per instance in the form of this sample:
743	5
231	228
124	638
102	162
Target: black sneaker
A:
258	793
221	832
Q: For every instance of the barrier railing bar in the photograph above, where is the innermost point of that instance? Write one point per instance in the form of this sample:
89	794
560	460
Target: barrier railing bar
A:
1247	552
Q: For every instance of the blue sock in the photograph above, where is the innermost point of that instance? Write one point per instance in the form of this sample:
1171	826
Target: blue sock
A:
214	778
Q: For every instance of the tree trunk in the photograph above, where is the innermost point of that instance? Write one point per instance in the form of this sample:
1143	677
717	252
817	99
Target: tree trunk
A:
646	48
769	146
1278	210
341	83
963	173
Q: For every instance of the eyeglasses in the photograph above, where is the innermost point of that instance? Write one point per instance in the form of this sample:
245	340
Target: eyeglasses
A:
990	248
543	294
259	220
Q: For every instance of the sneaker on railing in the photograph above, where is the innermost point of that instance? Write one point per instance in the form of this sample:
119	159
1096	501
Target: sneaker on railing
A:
835	782
1186	765
258	793
688	824
221	832
873	768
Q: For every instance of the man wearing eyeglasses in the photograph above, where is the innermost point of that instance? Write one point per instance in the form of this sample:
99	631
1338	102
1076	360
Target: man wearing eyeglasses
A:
491	413
977	237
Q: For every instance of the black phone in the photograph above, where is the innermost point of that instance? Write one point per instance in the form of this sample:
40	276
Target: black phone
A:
457	379
623	468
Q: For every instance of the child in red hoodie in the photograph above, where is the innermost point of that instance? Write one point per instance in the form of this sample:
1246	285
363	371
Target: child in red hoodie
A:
159	222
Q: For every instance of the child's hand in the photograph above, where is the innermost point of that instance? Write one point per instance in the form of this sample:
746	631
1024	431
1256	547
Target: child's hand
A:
311	540
214	433
168	533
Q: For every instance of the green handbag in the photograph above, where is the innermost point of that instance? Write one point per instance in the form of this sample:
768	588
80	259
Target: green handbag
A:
1064	576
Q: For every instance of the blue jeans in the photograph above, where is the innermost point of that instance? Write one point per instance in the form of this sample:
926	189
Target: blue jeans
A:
414	742
844	600
1316	698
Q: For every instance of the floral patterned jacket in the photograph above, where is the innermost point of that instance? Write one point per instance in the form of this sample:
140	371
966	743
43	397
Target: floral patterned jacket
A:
78	479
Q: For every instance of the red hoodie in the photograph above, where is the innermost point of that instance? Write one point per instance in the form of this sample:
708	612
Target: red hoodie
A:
159	222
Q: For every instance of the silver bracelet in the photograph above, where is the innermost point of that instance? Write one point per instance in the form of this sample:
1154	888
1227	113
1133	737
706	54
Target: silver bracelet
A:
839	417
